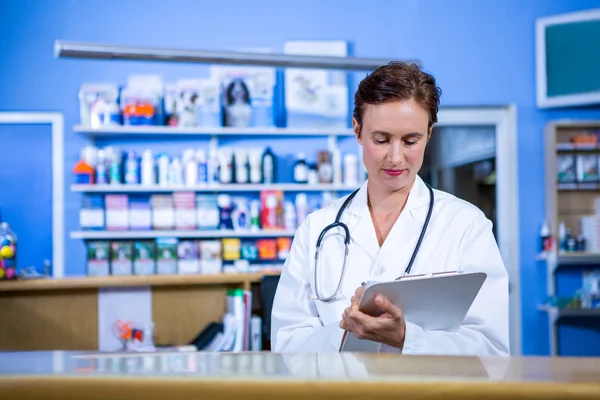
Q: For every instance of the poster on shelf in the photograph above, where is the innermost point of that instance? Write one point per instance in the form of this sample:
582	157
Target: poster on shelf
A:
127	305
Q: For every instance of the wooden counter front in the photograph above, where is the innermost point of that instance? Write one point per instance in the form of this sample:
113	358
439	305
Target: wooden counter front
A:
62	314
343	376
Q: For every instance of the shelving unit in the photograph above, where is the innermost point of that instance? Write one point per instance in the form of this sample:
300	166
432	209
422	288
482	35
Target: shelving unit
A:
123	235
169	131
198	299
566	202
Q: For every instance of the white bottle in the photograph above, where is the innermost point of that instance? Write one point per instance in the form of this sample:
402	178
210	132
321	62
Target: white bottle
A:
255	158
212	166
301	169
289	216
163	170
225	166
241	166
202	167
190	168
336	164
176	172
350	170
301	208
148	174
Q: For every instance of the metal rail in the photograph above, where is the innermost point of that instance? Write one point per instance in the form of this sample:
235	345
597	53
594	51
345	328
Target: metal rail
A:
65	49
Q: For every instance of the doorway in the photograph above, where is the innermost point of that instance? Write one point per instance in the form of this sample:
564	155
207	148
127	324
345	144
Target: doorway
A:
472	154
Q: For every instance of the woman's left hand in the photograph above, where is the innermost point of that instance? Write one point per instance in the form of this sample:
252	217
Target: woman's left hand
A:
389	328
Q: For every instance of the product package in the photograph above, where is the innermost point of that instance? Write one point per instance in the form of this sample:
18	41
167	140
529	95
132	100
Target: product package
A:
314	97
231	249
185	210
98	263
117	212
188	252
121	258
210	257
247	95
207	212
163	212
91	213
144	257
267	249
140	214
587	168
141	100
166	256
565	164
98	105
271	209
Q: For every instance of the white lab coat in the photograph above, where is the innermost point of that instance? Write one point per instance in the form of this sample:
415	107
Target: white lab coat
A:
459	238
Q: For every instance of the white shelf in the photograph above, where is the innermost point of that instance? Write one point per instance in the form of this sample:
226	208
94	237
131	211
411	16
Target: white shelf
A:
286	187
109	235
576	147
154	130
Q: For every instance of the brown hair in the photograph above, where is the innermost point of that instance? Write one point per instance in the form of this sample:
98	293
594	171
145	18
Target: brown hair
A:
398	81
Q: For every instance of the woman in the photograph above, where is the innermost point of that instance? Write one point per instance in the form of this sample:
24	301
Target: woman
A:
395	110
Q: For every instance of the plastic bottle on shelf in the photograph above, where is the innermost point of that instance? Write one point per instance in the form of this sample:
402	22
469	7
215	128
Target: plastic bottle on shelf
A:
114	157
190	167
336	164
562	237
289	216
268	166
225	166
546	238
202	167
176	172
350	170
163	170
101	168
255	161
148	173
212	166
241	166
132	169
301	169
302	208
255	215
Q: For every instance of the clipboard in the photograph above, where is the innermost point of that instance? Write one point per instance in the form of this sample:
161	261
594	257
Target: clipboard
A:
435	302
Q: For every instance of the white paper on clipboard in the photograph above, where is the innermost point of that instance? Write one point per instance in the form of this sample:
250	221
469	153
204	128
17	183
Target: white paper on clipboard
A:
433	302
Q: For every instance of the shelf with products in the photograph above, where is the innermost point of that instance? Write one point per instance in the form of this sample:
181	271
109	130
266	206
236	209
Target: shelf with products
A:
572	237
206	173
181	234
233	187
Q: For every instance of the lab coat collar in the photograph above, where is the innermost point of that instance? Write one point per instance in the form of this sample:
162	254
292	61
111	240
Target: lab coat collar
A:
417	198
405	230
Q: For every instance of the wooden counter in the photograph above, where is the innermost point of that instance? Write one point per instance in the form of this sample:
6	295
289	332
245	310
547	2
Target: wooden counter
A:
62	314
343	376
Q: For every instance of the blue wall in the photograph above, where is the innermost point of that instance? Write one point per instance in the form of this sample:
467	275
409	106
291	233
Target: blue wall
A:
481	52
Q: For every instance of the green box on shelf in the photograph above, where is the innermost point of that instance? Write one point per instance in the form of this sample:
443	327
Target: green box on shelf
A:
144	257
121	262
98	263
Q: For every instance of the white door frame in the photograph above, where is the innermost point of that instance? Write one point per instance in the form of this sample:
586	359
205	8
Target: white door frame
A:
507	194
55	120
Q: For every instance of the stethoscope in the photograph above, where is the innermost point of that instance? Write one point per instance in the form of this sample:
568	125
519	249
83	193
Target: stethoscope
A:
338	224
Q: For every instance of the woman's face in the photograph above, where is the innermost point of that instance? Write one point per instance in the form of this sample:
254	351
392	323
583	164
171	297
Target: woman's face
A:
393	136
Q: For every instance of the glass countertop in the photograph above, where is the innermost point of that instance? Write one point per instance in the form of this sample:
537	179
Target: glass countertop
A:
272	366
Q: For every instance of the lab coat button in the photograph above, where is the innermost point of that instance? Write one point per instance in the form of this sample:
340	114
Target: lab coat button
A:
379	271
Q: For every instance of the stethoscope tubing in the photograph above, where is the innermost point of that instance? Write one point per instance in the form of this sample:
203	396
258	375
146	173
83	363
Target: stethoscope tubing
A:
338	224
